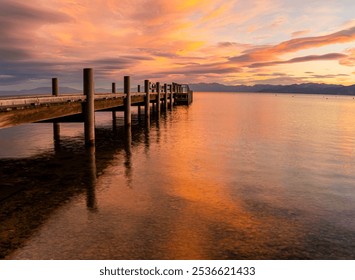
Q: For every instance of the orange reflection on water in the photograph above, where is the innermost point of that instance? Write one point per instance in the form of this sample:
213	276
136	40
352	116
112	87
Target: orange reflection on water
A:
263	181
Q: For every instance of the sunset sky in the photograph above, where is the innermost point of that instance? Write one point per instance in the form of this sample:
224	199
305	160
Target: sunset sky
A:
230	42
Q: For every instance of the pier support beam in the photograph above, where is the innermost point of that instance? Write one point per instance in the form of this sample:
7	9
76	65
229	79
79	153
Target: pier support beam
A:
55	88
127	92
171	97
158	97
139	106
147	99
165	97
113	111
89	114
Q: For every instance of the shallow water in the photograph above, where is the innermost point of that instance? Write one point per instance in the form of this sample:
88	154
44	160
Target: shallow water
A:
260	176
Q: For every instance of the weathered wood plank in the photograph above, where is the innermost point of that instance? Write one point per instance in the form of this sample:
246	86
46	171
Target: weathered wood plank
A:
38	113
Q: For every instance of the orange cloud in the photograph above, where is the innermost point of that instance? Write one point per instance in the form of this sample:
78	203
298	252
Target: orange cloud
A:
299	33
329	56
207	38
269	54
349	60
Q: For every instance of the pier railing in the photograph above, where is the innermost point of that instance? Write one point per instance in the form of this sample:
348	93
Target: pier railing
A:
58	108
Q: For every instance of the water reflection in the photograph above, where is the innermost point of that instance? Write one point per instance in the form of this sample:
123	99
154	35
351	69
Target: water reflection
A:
33	188
198	183
128	155
91	183
56	136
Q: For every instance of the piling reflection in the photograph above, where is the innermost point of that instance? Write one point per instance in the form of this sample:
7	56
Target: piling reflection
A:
91	202
47	181
128	154
146	136
56	136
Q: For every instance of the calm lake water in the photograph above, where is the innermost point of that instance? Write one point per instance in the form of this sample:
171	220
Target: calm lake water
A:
233	176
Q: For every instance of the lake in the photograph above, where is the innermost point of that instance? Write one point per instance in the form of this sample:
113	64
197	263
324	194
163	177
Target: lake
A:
233	176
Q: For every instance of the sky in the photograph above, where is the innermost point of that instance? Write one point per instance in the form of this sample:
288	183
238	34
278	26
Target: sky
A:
185	41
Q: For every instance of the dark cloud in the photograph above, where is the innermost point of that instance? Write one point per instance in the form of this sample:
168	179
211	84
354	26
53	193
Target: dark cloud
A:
22	12
13	53
121	61
22	71
329	76
271	74
18	22
203	69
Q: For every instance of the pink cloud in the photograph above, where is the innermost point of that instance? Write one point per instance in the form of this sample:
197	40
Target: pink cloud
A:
270	53
349	59
299	33
329	56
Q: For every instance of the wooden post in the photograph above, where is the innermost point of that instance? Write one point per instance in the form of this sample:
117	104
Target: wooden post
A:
139	106
55	90
89	114
113	110
165	97
147	99
171	96
127	92
158	97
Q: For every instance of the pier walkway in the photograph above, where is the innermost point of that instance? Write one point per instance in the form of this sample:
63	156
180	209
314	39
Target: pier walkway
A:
82	107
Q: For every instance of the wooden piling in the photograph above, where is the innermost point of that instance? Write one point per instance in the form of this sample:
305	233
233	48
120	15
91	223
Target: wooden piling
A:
89	112
147	99
158	97
55	90
139	106
165	97
171	97
113	110
127	92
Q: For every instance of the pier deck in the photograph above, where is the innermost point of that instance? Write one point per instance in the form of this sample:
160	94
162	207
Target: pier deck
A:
58	108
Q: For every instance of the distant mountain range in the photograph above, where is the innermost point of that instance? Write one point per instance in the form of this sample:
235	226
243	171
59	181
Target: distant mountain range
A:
310	88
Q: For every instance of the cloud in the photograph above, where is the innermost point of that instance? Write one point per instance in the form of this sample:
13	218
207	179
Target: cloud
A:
329	76
216	68
18	23
329	56
176	38
300	33
272	52
349	59
271	74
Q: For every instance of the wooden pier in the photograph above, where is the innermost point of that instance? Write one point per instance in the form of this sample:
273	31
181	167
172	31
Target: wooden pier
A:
59	108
